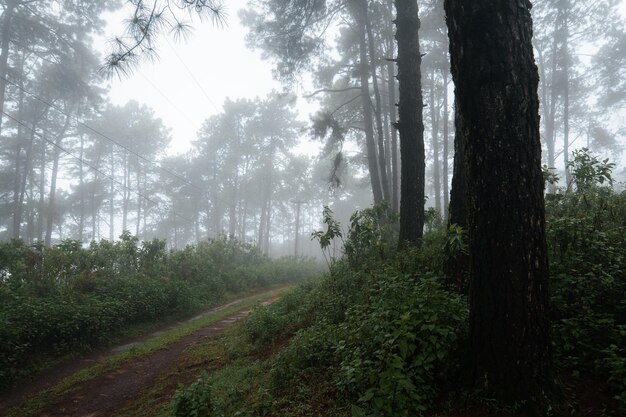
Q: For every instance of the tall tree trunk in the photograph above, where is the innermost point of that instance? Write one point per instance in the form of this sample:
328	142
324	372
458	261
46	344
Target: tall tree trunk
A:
565	80
139	199
549	107
17	205
42	191
28	161
458	194
496	94
112	198
379	122
410	124
81	185
391	97
5	44
126	193
366	102
53	183
30	208
446	145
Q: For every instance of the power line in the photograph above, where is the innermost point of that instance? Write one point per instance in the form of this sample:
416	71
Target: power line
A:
117	143
195	80
170	102
90	165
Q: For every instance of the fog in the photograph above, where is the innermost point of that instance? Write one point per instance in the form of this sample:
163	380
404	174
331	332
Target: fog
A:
215	121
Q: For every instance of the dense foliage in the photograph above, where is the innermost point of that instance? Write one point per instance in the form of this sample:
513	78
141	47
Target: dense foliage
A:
587	240
67	298
381	336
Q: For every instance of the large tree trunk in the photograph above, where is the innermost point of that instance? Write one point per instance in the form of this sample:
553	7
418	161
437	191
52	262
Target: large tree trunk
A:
496	94
410	124
458	194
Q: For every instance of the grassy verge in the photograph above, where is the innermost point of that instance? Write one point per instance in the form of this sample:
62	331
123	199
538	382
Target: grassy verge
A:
34	405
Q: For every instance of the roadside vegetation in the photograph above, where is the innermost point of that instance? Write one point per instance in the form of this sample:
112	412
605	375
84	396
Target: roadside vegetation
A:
68	298
384	333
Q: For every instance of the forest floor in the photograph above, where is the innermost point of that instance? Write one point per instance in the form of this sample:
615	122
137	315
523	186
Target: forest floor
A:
137	377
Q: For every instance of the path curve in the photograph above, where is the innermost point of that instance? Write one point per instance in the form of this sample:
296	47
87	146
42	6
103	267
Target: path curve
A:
110	390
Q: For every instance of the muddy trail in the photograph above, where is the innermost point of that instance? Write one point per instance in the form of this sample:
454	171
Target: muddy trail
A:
113	389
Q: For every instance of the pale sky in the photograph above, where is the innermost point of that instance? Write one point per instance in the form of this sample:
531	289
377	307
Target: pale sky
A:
191	79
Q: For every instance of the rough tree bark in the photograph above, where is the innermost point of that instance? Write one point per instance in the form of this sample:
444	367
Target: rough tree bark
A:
410	124
496	95
457	212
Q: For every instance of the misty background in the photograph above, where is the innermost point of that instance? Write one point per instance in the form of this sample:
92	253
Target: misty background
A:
213	132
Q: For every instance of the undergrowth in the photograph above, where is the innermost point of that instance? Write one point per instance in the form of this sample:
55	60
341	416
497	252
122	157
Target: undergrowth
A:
381	334
68	298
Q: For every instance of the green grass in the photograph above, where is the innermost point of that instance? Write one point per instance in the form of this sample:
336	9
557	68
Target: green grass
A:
34	405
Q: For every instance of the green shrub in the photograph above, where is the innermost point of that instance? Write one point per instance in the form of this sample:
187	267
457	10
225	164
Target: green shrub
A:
586	233
193	401
400	344
67	298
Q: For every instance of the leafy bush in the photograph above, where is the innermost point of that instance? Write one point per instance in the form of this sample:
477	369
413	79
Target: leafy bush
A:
399	344
193	401
586	233
66	298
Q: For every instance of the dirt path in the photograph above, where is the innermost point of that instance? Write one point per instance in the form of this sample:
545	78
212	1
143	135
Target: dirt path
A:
110	390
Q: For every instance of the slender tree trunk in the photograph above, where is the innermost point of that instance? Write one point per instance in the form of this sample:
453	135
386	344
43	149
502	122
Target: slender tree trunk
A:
81	185
112	198
566	106
446	144
17	205
53	183
42	191
496	95
434	120
549	116
395	180
410	124
30	208
372	157
391	97
5	44
28	162
379	122
126	194
139	199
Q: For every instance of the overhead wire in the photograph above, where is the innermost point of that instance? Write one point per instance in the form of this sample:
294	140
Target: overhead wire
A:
21	123
117	143
195	80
